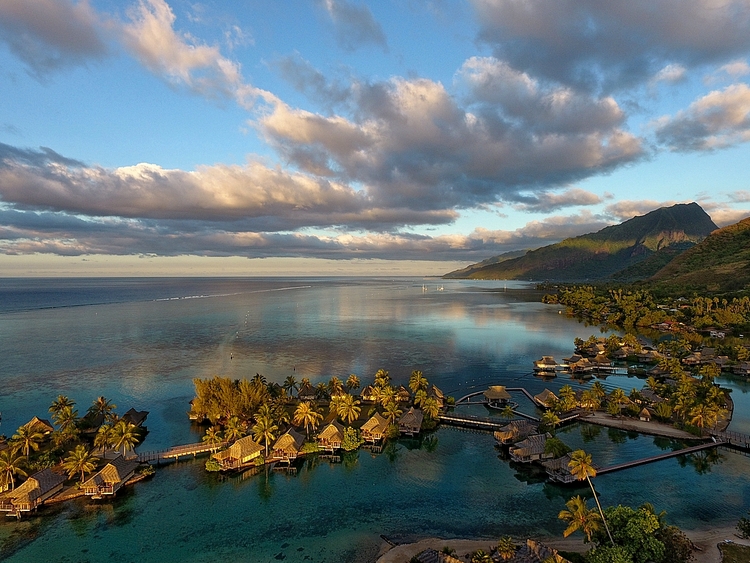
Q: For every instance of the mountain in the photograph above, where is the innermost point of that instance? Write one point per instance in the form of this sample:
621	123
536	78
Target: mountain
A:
597	256
466	272
719	264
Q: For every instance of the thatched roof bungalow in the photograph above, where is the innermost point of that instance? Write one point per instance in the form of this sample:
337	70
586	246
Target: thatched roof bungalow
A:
530	449
306	393
402	394
240	454
41	425
367	395
497	396
437	394
287	448
374	430
135	417
110	478
411	422
545	399
516	431
645	415
547	363
32	493
331	436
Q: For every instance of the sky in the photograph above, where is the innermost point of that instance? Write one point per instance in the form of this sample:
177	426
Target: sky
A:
392	137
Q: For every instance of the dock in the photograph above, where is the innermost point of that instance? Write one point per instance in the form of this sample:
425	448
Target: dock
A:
176	452
659	457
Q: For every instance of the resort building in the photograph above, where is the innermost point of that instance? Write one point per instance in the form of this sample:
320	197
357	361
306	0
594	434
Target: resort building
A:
135	417
402	394
515	432
558	469
373	431
547	363
545	399
306	393
437	394
288	447
331	436
240	454
367	395
497	396
530	449
411	422
110	478
40	425
645	415
32	493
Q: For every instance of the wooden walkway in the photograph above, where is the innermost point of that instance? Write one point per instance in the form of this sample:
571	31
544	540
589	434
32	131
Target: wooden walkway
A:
176	452
734	439
470	421
659	457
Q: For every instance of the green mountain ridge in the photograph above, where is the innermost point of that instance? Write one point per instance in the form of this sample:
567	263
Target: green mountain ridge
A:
617	248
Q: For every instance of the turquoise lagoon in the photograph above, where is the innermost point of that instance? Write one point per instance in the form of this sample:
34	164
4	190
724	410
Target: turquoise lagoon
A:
141	342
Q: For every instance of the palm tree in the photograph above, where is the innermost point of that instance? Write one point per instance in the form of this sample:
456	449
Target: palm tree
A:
387	395
391	411
290	383
234	429
65	418
581	468
102	406
550	420
60	403
335	386
26	440
352	382
265	431
10	466
306	415
431	408
481	556
590	401
213	437
348	409
382	378
321	390
420	397
507	412
80	460
598	389
104	437
580	517
506	549
124	435
417	381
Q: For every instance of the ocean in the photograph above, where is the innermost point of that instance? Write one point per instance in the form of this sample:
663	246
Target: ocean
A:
141	342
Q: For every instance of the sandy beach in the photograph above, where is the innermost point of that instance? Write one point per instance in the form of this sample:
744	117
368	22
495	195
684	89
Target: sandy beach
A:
706	542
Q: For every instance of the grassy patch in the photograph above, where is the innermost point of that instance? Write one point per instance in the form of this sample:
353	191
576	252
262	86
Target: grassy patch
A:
734	553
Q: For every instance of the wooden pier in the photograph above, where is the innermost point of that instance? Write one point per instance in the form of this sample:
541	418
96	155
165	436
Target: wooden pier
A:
176	452
659	457
470	421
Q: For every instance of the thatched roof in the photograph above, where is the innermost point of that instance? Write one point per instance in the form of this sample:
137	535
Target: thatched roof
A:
306	391
435	392
560	464
333	432
376	425
533	445
411	419
496	393
367	393
516	430
241	449
41	425
114	472
545	398
135	417
402	393
35	486
645	414
290	441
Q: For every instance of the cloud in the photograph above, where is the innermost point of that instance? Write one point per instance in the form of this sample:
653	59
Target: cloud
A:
547	202
51	34
627	209
180	59
594	45
354	25
740	196
310	81
671	73
717	120
413	145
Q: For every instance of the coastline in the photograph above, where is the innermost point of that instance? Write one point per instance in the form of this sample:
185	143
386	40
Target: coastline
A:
706	541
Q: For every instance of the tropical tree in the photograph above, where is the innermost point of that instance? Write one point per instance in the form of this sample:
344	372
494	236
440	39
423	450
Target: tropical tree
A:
60	403
104	437
581	468
506	549
66	418
417	381
387	394
481	556
550	420
335	386
80	460
259	379
507	412
590	401
567	398
306	415
26	439
382	378
352	382
580	518
125	435
391	411
321	391
11	464
213	437
348	409
104	407
420	397
234	429
265	431
598	390
431	408
290	384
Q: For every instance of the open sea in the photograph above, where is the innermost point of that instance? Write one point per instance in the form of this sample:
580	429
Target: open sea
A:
141	342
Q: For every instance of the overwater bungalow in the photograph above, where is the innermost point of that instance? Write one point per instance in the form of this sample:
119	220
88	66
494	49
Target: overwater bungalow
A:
545	399
436	394
373	431
516	431
110	478
530	449
40	425
367	395
135	417
584	365
240	454
547	363
649	356
411	422
402	394
32	493
331	436
288	447
497	397
558	470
